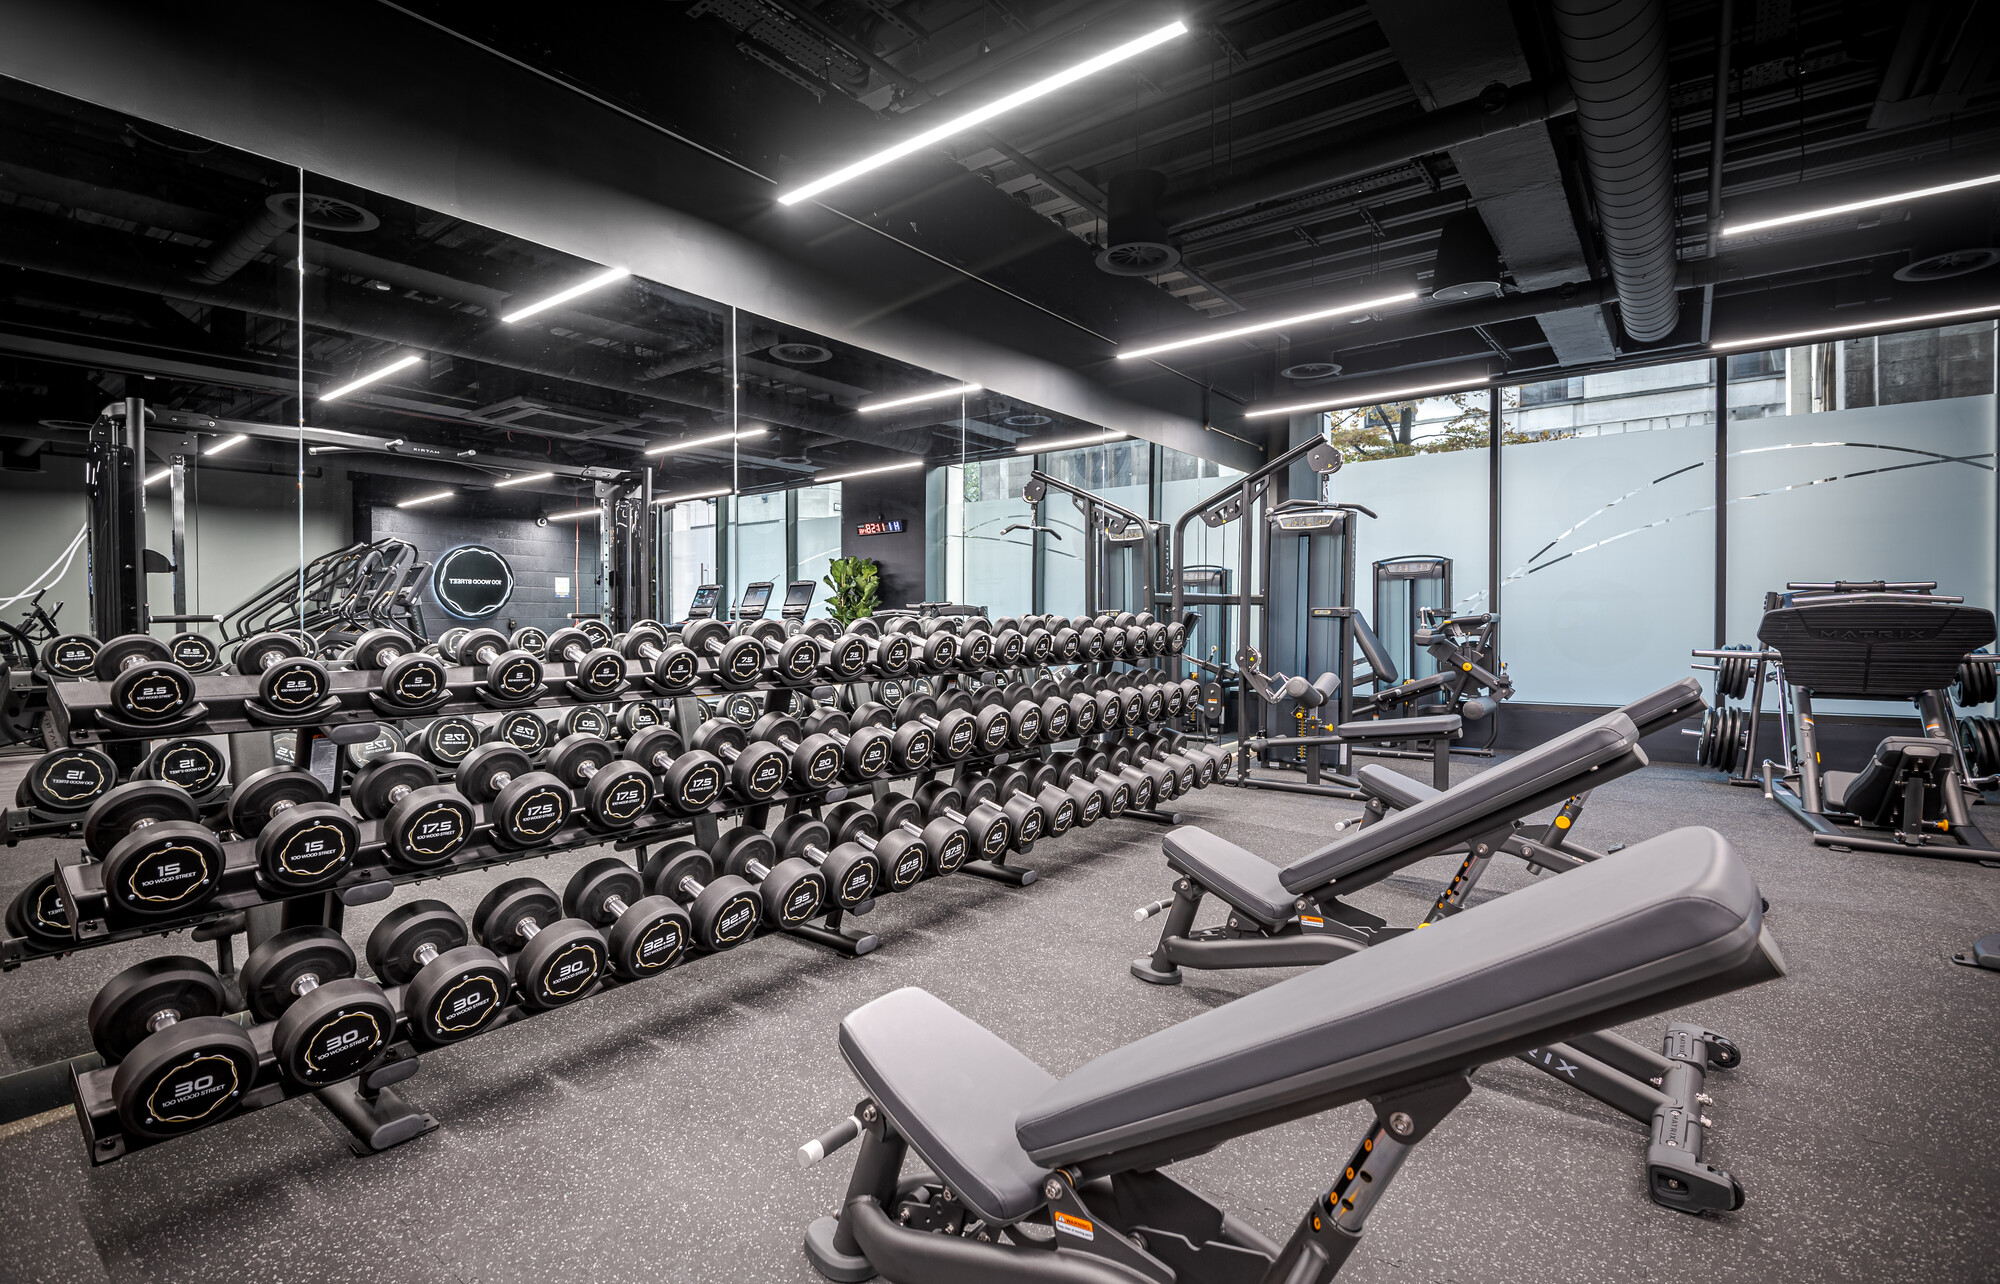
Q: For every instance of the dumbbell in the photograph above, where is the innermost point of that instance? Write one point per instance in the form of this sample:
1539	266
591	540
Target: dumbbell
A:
756	768
975	646
589	720
946	843
452	989
409	677
157	859
67	779
901	858
520	728
146	685
936	649
72	656
508	674
738	661
291	681
985	824
446	741
614	792
355	756
865	748
954	730
670	667
524	807
723	911
37	913
1024	716
447	641
595	671
791	890
305	841
331	1025
645	935
1093	802
530	639
1020	795
424	823
814	760
689	780
558	958
889	654
635	716
1056	724
1144	787
182	1065
852	872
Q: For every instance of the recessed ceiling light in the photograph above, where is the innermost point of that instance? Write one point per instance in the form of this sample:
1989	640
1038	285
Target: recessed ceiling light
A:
959	124
604	278
935	394
401	363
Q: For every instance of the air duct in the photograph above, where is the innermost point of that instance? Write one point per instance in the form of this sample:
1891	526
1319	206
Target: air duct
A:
1467	264
1135	239
1616	54
281	210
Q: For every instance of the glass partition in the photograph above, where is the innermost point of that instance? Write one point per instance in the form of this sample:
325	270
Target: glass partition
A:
690	559
1213	555
1607	532
818	539
756	542
1120	472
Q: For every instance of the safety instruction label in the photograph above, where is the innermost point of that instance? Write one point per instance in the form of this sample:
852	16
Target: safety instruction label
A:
1078	1226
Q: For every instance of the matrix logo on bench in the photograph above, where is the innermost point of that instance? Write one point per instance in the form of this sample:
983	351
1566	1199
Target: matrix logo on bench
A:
472	582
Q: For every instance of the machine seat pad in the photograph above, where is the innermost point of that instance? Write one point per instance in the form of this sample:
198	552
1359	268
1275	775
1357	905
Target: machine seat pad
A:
1867	793
1387	785
1243	878
1425	728
1668	705
1668	913
1488	799
953	1088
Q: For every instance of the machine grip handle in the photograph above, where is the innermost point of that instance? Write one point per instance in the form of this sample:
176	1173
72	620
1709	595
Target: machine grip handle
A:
829	1141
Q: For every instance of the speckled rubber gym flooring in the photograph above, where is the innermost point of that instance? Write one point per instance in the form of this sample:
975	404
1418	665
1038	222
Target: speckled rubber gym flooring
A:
648	1134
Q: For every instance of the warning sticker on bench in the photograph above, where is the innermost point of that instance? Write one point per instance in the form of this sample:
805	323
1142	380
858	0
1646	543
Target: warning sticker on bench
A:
1077	1226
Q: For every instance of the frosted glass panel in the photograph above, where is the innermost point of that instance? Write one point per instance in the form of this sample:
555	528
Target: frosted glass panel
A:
984	566
690	553
1423	504
818	539
1607	557
1900	492
1118	473
756	542
1186	480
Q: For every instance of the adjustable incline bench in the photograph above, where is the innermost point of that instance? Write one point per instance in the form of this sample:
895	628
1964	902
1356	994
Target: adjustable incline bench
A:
1295	916
1039	1179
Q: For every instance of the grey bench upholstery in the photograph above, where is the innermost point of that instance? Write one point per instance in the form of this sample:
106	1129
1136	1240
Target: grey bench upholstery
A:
1425	728
1390	786
1630	934
1243	878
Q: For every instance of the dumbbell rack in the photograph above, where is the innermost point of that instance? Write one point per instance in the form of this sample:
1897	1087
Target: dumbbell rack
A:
225	704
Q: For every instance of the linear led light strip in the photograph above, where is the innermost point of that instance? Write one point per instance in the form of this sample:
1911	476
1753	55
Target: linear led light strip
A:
684	499
374	376
426	499
959	124
1882	326
1365	305
604	278
743	435
1348	401
935	394
524	479
1738	229
1039	447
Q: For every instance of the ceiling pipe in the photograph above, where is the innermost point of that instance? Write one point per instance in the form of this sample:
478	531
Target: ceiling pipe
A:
1615	52
1495	111
250	240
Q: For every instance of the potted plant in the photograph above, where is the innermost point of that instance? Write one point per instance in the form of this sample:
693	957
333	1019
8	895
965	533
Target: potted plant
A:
856	583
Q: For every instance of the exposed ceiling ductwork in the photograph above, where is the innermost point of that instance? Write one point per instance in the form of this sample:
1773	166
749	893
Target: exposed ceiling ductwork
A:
1616	55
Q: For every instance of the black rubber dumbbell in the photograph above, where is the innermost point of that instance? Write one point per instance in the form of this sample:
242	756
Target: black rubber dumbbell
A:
411	679
723	910
689	779
508	674
67	780
792	890
645	935
1018	794
865	748
902	859
954	730
331	1025
737	661
289	681
947	844
446	741
452	989
889	654
985	824
158	860
670	667
852	872
159	1021
588	720
524	807
756	768
524	730
813	761
595	672
424	823
614	792
305	841
147	685
559	959
71	657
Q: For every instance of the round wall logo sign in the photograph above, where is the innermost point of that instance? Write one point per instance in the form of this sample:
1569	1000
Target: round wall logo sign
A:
472	581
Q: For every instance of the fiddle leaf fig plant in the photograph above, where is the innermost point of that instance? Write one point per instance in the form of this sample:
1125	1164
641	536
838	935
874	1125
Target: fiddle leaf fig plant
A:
856	583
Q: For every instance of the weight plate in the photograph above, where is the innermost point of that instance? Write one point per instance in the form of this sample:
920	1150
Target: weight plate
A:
334	1033
68	779
123	1012
185	1077
38	914
73	655
194	765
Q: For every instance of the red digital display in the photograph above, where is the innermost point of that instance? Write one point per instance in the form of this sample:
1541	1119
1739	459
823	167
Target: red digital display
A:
888	526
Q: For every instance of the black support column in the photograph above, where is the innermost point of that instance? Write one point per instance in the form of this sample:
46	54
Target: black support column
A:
118	520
